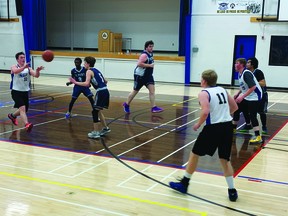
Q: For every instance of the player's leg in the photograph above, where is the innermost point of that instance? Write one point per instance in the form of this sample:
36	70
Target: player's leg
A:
151	87
253	109
75	94
87	92
138	84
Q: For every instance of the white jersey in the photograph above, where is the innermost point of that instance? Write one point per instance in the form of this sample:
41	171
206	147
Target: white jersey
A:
219	106
21	81
256	95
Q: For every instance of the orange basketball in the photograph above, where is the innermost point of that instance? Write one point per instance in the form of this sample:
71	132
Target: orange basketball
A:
48	55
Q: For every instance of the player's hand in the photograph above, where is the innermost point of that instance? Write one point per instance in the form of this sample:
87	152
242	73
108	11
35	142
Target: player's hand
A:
68	83
39	68
196	126
152	65
72	80
239	99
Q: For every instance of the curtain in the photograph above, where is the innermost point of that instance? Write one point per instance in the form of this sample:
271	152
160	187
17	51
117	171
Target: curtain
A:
34	25
185	27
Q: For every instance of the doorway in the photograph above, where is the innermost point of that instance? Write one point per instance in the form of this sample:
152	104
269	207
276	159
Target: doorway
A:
244	47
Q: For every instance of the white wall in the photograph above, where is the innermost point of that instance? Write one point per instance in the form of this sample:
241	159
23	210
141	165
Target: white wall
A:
11	36
77	23
164	71
214	35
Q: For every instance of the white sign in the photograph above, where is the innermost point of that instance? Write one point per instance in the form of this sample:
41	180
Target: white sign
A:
239	6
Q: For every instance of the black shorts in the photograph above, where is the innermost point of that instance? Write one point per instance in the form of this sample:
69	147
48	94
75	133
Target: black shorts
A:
140	81
20	99
215	136
102	98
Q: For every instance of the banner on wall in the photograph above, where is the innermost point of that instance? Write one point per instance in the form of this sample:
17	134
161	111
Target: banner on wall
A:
239	6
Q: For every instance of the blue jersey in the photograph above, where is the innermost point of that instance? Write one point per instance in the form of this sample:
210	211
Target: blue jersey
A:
79	75
145	71
98	81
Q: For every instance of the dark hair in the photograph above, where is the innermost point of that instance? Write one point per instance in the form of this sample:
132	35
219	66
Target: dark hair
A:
210	76
147	43
78	59
254	62
90	60
18	54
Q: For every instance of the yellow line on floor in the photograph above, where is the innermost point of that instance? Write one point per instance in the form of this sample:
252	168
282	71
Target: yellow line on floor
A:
105	193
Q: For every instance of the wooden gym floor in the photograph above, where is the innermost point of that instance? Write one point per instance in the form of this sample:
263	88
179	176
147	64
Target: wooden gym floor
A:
57	170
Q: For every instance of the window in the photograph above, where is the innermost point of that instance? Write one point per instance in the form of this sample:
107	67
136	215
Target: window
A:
278	51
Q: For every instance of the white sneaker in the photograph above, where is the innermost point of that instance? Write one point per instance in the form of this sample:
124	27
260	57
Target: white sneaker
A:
94	134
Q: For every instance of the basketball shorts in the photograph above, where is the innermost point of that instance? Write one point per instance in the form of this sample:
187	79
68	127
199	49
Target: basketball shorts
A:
20	99
77	90
102	98
263	104
215	136
140	81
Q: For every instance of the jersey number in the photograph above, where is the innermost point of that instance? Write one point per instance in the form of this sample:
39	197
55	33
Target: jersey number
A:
220	99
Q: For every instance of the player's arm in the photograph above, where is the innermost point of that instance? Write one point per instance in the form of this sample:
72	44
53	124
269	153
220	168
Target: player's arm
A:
262	83
205	109
141	62
232	104
36	73
89	75
69	83
17	70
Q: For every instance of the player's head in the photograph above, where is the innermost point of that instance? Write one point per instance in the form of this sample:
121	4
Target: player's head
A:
77	62
19	54
148	43
253	62
90	61
240	64
210	76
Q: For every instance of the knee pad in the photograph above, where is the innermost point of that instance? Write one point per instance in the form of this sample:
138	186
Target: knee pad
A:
95	115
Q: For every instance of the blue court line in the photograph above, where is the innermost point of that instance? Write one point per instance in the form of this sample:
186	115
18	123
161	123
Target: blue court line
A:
263	180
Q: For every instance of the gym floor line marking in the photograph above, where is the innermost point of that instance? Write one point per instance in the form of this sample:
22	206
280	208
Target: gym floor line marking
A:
104	193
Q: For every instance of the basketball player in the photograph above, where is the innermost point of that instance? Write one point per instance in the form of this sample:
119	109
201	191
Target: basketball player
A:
247	98
79	74
216	109
102	96
20	86
143	75
252	65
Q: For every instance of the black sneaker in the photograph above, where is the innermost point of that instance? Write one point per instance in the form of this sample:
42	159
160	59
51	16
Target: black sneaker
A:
105	131
179	186
233	195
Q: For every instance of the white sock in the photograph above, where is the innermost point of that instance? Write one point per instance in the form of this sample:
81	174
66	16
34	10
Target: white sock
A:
187	175
230	182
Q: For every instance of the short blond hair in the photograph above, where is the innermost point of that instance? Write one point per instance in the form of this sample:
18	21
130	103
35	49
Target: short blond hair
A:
210	76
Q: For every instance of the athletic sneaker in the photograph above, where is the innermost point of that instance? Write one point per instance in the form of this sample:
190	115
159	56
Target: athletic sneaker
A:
179	186
264	130
68	115
233	195
126	107
246	128
156	109
94	134
105	131
28	127
255	140
14	120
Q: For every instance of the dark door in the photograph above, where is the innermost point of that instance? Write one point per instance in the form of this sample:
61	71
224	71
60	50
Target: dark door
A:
244	47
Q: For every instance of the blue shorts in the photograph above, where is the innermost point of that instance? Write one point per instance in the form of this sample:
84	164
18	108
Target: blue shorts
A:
102	98
77	90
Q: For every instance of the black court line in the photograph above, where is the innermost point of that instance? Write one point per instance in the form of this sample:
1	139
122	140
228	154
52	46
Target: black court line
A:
264	147
155	180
